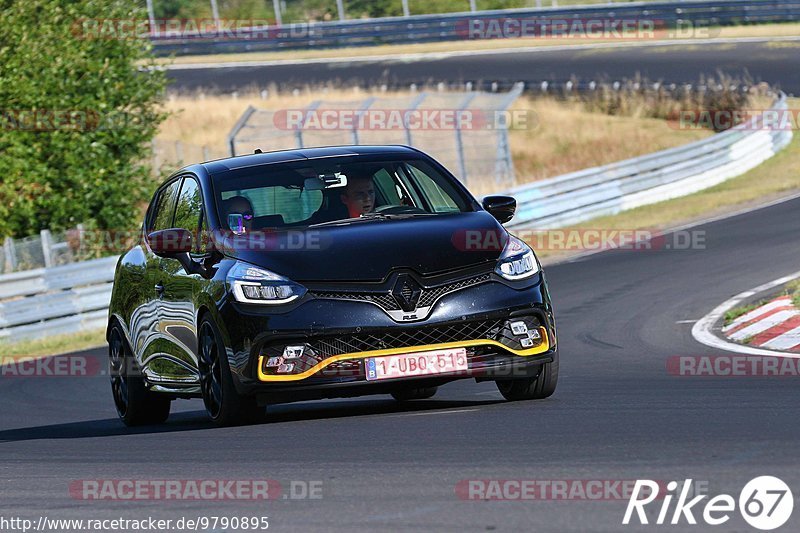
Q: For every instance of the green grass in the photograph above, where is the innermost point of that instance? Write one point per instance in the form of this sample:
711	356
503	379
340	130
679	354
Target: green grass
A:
793	290
55	345
736	312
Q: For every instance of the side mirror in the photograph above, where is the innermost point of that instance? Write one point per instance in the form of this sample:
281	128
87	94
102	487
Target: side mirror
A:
501	207
170	242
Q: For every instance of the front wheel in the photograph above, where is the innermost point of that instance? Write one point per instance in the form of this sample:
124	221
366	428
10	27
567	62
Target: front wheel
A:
225	407
535	388
136	406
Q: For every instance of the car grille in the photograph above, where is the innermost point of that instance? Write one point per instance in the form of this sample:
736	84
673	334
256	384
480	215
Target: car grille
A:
387	302
330	346
318	349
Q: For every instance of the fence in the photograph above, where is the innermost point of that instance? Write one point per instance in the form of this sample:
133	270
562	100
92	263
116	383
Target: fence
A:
452	27
37	251
610	189
171	155
475	144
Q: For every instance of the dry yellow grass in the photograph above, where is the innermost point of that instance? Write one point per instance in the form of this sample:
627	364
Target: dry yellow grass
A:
761	30
569	138
777	177
564	137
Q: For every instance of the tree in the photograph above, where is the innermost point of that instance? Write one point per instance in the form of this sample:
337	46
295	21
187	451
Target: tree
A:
78	108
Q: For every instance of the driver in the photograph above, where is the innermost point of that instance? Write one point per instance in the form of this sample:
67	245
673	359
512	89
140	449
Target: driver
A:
359	196
239	205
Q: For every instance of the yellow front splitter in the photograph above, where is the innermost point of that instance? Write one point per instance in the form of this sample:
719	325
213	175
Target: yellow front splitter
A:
536	350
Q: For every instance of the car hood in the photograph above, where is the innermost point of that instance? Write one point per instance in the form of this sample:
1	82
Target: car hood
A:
370	250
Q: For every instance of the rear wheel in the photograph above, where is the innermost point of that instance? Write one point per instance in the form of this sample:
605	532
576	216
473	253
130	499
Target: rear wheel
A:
423	393
535	388
136	406
223	404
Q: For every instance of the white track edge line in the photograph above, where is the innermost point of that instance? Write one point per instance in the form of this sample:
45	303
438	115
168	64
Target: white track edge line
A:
702	330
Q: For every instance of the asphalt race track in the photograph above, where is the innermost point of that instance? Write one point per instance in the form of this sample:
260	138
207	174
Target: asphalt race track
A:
617	415
776	63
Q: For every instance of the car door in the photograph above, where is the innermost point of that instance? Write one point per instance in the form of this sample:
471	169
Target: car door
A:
147	340
178	309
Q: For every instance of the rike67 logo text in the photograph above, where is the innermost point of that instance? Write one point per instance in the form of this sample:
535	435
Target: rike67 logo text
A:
765	503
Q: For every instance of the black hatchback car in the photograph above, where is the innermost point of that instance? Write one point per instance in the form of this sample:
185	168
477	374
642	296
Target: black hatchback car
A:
321	273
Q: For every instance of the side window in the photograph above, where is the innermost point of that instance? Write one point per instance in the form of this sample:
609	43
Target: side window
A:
189	210
441	202
161	217
189	206
387	187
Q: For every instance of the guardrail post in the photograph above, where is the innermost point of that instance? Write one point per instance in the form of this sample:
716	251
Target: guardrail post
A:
406	12
237	127
10	253
462	163
276	4
504	163
47	245
364	106
298	133
414	105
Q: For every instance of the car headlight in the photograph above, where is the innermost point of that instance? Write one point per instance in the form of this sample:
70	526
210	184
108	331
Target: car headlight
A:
517	261
254	285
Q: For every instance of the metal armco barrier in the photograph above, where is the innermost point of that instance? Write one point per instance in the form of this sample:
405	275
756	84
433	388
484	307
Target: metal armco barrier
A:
456	26
57	300
610	189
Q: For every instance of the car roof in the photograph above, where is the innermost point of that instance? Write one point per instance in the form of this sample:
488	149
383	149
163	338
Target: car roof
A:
301	154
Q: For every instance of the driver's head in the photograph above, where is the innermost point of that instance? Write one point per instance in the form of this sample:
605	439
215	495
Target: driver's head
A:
359	195
239	205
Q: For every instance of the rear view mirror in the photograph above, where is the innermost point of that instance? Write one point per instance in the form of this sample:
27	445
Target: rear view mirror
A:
170	242
501	207
325	181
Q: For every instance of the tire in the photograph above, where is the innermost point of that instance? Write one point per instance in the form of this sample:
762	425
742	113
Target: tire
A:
535	388
405	395
224	405
136	406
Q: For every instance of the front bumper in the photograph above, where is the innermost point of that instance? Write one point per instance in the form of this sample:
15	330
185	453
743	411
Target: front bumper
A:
339	336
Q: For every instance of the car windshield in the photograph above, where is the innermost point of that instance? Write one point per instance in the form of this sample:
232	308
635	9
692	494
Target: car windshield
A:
332	191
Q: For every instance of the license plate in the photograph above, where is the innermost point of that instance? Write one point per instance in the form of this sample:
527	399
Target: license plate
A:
416	364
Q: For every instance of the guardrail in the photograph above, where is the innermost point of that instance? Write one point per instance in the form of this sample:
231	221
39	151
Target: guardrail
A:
57	300
610	189
456	26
